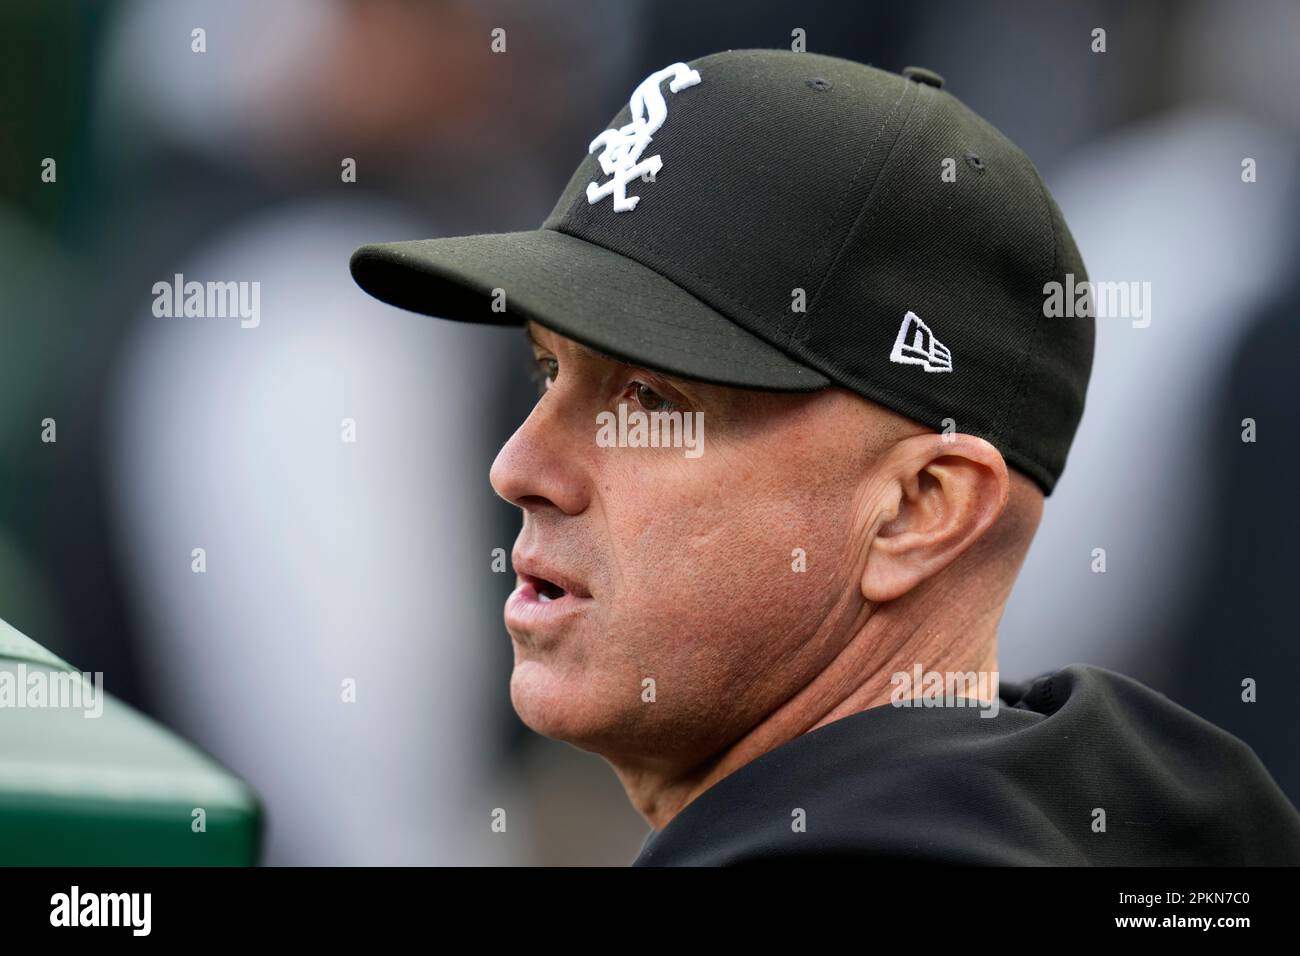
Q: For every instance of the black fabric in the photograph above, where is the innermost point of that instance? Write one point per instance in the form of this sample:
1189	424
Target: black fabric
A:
949	786
564	283
789	171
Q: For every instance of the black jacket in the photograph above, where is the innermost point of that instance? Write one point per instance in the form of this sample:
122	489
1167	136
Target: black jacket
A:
1022	787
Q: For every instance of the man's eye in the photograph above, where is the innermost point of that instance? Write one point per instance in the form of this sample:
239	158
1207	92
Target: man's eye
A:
648	398
544	372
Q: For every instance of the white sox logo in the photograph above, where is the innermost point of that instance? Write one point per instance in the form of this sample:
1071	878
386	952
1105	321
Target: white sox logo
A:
621	158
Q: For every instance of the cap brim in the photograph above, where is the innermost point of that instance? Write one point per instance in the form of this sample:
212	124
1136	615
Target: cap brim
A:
604	300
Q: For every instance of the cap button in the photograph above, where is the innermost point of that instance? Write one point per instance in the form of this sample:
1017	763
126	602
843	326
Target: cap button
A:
920	74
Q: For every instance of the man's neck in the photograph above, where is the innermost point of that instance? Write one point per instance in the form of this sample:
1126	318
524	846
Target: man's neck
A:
883	646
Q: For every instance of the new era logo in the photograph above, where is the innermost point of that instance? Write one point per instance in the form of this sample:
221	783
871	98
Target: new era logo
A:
916	345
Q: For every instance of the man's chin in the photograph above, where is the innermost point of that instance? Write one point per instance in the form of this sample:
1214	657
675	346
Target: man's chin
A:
557	706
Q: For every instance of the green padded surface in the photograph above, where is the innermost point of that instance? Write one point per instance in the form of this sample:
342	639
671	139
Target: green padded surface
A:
20	647
117	789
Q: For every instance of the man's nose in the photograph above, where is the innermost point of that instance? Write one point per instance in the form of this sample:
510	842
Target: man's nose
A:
543	464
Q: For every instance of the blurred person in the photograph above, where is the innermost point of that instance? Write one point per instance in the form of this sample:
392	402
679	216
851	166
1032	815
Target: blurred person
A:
1161	203
1243	574
336	636
1150	177
1247	66
803	399
55	580
33	276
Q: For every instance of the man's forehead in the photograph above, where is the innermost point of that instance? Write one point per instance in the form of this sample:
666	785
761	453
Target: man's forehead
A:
538	333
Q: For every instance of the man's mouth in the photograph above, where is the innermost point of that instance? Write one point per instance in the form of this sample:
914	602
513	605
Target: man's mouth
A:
550	582
544	597
547	591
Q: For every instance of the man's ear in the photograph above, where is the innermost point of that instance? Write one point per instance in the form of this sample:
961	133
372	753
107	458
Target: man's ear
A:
941	493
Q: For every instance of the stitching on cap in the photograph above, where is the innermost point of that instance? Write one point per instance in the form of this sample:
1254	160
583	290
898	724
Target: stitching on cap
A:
691	332
801	321
729	303
1013	414
655	340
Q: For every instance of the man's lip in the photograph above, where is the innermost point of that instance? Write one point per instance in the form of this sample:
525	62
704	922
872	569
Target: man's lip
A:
527	613
531	566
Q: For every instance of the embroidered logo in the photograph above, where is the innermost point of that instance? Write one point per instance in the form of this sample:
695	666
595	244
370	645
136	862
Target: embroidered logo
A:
621	156
916	345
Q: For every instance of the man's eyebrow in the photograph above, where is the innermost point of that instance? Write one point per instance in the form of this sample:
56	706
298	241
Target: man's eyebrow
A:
577	346
676	381
528	330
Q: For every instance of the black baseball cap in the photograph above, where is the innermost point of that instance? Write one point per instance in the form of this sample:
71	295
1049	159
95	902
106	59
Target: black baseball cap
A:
790	221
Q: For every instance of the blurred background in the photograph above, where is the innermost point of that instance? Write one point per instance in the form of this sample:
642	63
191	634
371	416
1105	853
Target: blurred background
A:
371	561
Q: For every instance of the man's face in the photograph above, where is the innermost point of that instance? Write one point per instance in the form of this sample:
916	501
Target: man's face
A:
677	570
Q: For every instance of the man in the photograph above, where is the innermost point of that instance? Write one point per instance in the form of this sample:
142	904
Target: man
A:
804	394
